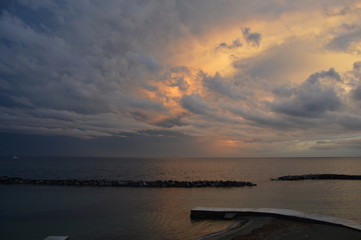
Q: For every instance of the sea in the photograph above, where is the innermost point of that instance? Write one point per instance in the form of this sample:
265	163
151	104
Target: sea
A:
33	212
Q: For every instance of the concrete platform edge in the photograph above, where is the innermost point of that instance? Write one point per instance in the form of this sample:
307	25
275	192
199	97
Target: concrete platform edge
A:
206	212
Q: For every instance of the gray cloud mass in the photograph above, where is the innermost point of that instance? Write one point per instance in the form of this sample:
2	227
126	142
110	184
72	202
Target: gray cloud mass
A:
111	69
235	44
312	98
195	104
252	38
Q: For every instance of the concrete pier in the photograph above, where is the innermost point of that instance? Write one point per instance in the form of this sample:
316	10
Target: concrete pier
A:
276	224
57	238
225	213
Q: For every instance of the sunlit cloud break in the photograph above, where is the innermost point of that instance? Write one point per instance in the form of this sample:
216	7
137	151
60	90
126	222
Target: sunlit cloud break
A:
184	78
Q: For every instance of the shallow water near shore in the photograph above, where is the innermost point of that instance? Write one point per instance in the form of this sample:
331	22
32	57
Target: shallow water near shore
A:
34	212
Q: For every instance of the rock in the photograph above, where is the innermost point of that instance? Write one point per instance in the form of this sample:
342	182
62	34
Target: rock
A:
318	177
129	183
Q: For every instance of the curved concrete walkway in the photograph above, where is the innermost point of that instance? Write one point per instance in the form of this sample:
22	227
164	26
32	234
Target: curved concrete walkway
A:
204	212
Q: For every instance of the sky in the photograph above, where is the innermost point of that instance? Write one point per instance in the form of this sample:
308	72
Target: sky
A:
180	78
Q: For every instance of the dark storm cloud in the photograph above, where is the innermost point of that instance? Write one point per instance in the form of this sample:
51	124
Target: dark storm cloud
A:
195	104
56	122
223	86
331	74
123	75
337	145
13	101
343	41
76	68
283	91
347	8
318	102
348	121
356	93
178	81
354	76
235	44
275	63
252	38
85	58
171	122
200	15
357	66
354	79
149	87
89	59
179	69
149	62
175	77
312	98
261	118
349	34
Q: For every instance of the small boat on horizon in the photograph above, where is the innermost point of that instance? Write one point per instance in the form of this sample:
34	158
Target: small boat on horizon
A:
15	157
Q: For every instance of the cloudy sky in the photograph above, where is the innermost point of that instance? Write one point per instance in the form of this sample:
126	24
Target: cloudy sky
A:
181	78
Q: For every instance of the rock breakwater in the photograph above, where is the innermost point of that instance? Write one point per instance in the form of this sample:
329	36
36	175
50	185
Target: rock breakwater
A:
127	183
318	177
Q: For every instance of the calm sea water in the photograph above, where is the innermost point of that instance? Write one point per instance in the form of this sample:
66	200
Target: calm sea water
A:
91	213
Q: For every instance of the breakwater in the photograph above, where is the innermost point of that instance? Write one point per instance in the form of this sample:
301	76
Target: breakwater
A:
318	177
127	183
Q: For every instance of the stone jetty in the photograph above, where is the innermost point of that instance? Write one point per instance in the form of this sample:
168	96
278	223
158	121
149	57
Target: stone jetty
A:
127	183
318	177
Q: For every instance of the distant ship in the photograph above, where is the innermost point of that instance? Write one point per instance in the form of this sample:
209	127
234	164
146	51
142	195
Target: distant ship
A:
14	157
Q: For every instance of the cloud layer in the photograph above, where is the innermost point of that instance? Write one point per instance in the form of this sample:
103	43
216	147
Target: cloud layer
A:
243	78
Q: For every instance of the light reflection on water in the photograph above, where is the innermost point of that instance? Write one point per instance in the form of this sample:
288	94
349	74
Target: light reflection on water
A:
137	213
